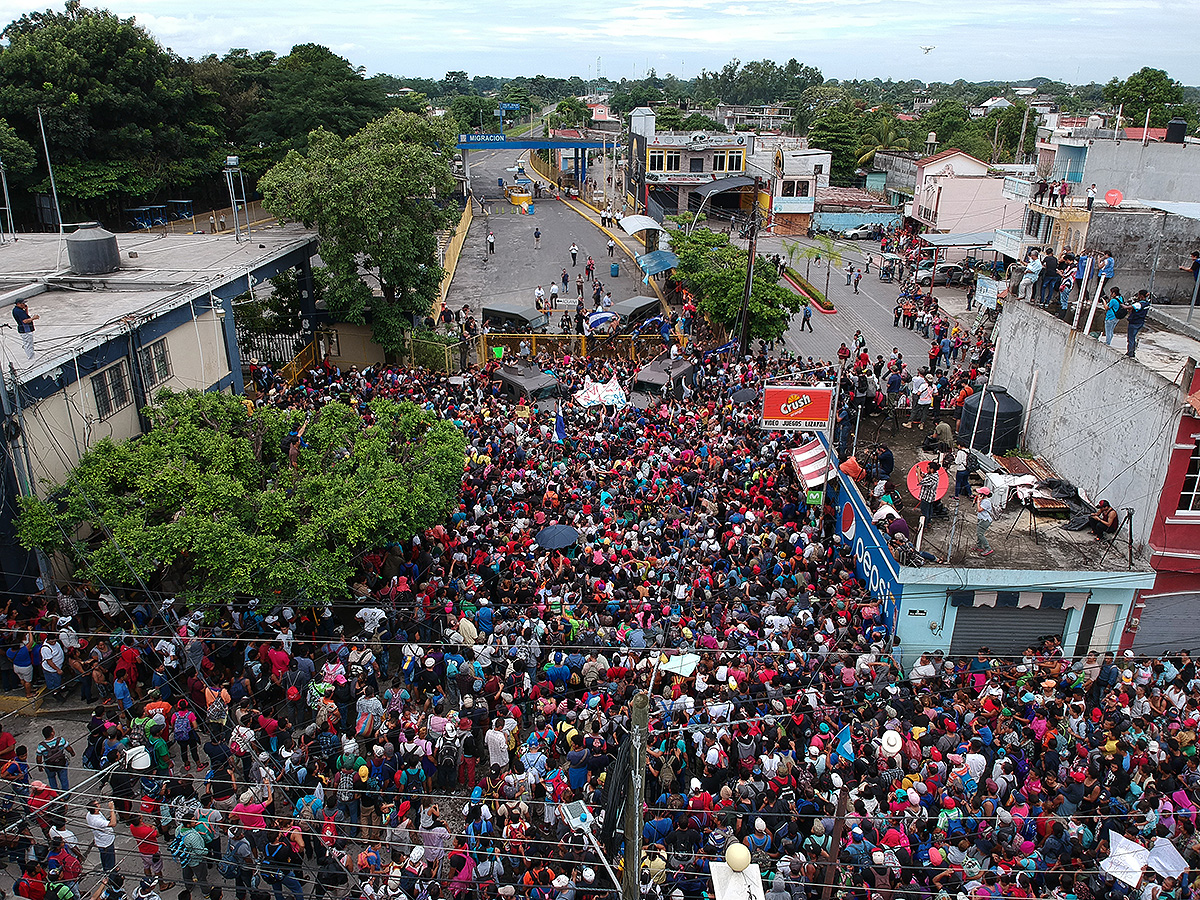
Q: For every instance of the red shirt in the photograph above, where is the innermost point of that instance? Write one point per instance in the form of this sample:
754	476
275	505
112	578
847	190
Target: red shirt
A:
146	837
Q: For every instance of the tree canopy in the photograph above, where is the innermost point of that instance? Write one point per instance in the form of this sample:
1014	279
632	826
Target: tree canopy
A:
714	272
207	505
377	201
1147	89
123	115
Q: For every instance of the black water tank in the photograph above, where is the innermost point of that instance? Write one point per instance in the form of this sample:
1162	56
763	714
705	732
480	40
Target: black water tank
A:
93	251
994	405
1176	131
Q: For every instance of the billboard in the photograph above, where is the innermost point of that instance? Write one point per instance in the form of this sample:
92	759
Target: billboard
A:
874	563
797	407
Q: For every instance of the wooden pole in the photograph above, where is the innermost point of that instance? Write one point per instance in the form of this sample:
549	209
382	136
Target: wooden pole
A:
835	845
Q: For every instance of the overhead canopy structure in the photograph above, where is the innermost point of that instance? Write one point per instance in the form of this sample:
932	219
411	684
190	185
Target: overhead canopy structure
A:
1189	209
723	184
658	261
632	225
980	239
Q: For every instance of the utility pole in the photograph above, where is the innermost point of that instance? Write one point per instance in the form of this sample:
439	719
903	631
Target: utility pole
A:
744	338
639	727
1019	155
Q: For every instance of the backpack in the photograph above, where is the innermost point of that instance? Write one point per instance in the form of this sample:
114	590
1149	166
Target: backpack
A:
217	710
56	754
178	848
269	866
181	727
228	866
1123	310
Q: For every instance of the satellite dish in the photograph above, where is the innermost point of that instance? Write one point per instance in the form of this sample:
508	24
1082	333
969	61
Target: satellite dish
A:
1114	197
917	472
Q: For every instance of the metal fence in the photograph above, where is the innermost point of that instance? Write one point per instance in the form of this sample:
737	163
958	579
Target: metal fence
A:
270	347
619	346
437	356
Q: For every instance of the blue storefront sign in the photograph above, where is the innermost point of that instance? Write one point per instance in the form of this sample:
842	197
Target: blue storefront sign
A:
874	562
480	138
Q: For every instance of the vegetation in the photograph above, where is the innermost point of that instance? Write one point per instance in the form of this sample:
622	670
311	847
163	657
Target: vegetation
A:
377	201
714	272
207	504
131	123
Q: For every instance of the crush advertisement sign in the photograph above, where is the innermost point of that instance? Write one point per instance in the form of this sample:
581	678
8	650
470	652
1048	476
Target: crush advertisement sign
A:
797	407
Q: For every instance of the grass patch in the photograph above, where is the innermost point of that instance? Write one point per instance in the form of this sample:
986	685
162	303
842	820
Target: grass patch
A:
807	287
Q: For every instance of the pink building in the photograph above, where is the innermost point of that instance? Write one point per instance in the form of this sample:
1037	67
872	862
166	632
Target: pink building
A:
956	193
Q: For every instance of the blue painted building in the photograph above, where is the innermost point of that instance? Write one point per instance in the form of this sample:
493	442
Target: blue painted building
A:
1003	602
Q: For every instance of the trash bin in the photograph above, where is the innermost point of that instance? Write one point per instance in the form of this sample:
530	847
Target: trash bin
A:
615	271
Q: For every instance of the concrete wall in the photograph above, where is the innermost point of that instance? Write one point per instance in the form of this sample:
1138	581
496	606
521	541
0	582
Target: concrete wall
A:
1157	171
969	205
1136	237
65	425
840	221
1103	421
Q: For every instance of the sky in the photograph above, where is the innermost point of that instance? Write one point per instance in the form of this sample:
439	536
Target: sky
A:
1076	41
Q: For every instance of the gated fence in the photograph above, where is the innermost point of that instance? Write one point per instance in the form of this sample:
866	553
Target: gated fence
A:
619	346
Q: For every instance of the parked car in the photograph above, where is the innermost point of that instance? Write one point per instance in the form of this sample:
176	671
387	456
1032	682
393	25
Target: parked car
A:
859	233
947	273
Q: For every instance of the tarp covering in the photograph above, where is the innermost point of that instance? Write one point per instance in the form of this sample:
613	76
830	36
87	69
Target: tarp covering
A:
631	225
658	261
1188	209
723	184
980	239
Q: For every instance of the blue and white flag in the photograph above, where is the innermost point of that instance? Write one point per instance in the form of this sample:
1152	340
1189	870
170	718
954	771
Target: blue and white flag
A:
560	428
844	748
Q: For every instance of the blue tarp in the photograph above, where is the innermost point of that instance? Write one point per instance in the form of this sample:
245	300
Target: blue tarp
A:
658	261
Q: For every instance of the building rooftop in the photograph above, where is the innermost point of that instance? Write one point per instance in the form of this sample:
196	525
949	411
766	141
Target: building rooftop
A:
1020	540
953	151
856	198
158	272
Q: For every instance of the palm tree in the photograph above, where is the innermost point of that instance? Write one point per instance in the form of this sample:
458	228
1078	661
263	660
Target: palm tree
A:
833	257
883	137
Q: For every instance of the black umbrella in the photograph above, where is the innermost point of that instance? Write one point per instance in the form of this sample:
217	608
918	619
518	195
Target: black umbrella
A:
745	395
555	537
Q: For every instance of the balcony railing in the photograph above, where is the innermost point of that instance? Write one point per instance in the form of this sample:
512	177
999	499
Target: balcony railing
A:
1017	187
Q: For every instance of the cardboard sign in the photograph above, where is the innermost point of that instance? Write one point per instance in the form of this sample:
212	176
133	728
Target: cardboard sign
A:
797	407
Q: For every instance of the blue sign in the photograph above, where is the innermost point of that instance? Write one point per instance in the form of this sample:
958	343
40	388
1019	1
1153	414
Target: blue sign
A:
873	560
510	106
480	138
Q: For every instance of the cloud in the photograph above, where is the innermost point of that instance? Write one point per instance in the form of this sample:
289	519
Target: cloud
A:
845	38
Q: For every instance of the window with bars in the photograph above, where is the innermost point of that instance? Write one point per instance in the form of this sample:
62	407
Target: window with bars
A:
156	363
1189	497
112	390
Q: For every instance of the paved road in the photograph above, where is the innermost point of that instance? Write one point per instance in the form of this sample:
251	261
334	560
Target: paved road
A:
869	311
516	268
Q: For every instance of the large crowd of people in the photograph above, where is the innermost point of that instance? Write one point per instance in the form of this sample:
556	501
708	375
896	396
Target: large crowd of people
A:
420	739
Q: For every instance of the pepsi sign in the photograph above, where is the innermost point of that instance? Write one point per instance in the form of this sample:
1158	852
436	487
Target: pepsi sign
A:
873	560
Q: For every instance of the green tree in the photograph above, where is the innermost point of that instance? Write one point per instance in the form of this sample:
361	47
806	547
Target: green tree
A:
571	112
668	118
206	503
122	115
1146	89
456	82
835	131
473	112
309	89
700	122
884	136
376	199
18	156
714	271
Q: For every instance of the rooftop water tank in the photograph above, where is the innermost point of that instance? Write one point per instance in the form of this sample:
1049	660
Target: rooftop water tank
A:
1176	131
92	250
995	406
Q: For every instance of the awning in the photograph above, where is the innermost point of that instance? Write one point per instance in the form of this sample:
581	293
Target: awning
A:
658	261
980	239
811	463
631	225
1021	599
723	184
1188	209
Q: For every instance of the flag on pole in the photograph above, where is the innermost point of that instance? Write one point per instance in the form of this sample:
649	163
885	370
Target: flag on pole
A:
560	428
844	748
